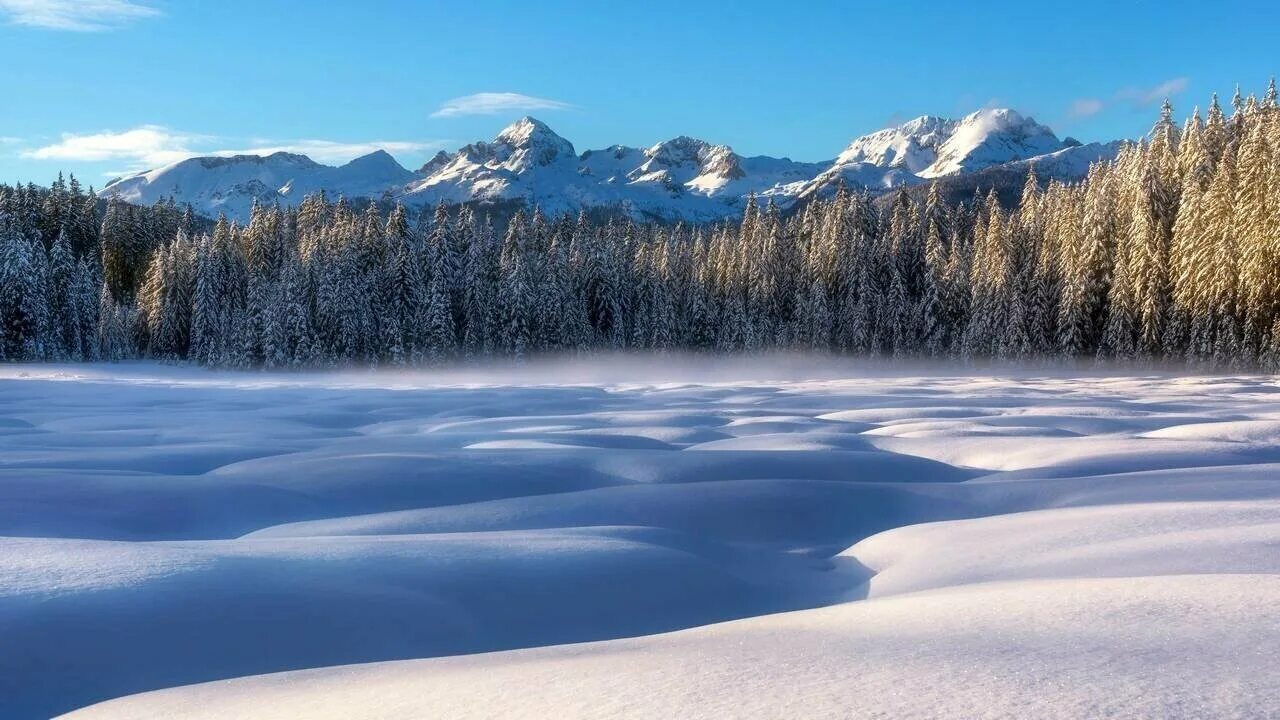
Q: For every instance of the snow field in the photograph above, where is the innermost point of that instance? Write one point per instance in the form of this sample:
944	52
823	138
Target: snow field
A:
935	545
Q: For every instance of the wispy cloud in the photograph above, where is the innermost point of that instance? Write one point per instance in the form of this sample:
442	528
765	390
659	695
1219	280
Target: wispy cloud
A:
1137	97
1086	107
75	15
488	103
1144	97
149	146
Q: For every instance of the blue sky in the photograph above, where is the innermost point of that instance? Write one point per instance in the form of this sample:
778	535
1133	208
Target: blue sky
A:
98	87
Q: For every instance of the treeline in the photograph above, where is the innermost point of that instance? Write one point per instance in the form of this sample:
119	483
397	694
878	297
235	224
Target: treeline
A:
53	245
1171	252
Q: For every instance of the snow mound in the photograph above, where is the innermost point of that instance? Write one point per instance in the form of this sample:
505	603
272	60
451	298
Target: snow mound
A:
1180	646
731	538
1265	432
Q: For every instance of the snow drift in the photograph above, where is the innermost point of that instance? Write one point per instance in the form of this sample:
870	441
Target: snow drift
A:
922	545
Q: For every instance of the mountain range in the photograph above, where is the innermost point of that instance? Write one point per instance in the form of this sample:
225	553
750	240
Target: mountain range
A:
679	179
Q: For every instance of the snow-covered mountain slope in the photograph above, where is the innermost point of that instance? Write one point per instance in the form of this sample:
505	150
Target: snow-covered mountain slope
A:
679	179
1069	163
911	146
231	185
932	147
991	137
683	178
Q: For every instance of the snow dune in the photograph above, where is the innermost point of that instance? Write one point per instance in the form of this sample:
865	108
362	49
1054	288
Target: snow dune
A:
672	540
1165	647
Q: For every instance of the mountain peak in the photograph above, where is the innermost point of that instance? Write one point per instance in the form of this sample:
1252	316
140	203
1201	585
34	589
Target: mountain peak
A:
526	130
911	146
716	160
683	178
680	142
278	158
439	160
679	149
989	137
530	140
995	112
924	124
930	146
380	159
379	154
998	119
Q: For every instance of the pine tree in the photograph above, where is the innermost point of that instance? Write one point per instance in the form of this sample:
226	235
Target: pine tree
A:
64	336
124	249
514	293
993	277
207	338
1171	250
113	336
299	339
1255	233
439	331
84	313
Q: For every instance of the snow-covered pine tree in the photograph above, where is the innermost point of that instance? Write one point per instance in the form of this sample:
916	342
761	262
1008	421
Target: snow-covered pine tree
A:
514	292
1255	232
64	335
207	339
24	295
113	334
83	297
991	280
1168	250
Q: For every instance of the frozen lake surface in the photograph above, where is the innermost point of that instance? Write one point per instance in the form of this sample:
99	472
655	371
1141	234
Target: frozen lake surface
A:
643	538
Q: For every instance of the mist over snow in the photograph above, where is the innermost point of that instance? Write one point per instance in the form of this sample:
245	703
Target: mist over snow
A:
475	361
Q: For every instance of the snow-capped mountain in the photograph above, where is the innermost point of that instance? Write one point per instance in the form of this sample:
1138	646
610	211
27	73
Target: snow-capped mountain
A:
527	160
679	179
990	137
1071	162
683	178
932	147
231	185
911	146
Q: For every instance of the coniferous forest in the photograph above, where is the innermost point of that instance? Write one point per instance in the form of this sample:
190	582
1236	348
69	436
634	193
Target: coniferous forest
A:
1171	252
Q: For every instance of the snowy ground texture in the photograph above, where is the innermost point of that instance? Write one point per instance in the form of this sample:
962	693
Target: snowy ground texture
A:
654	541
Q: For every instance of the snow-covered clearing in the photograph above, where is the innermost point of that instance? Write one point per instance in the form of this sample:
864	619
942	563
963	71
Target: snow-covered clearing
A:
774	540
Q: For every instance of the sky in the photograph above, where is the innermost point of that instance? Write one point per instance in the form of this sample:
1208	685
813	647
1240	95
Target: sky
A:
103	87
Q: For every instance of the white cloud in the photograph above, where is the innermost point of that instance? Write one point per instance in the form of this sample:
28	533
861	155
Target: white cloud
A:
1143	97
150	146
487	103
1086	107
75	15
